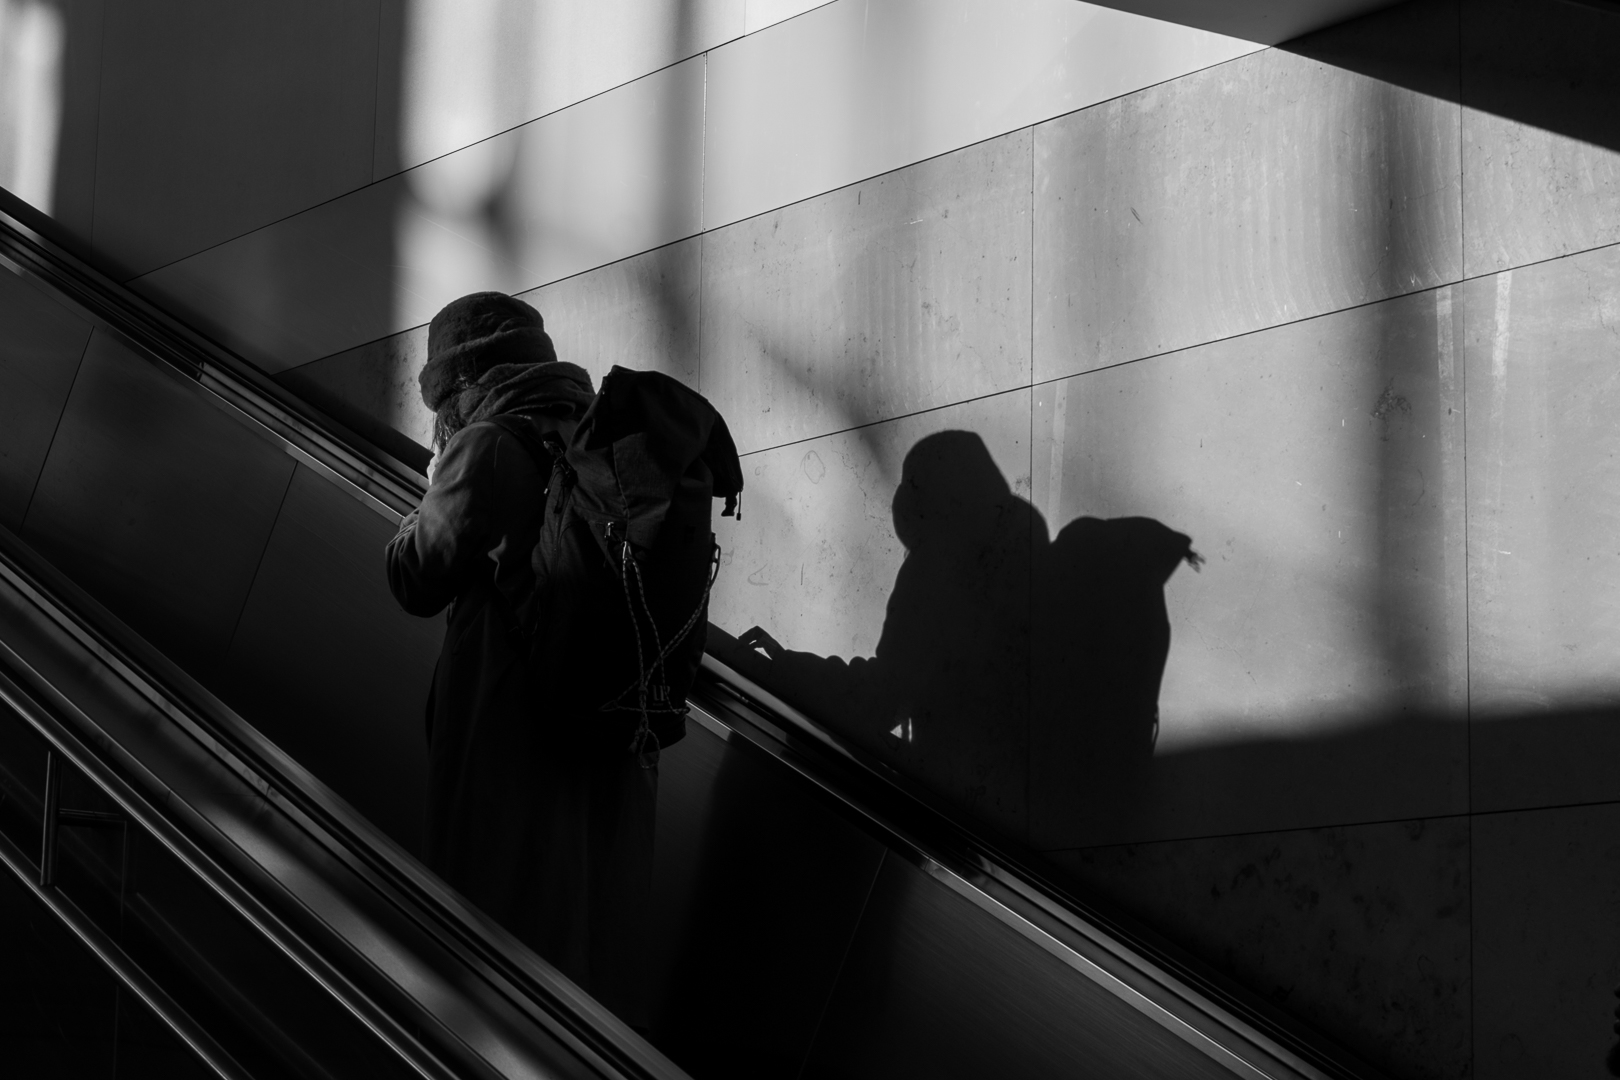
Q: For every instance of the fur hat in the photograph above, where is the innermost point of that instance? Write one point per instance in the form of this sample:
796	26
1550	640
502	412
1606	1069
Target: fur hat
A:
475	333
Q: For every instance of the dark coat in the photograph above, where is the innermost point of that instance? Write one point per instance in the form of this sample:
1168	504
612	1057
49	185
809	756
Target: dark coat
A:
551	840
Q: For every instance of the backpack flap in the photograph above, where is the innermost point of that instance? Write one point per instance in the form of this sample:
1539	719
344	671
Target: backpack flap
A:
625	558
725	468
645	483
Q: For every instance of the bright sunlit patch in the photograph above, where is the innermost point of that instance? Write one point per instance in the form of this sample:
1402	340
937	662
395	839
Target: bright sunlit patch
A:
31	37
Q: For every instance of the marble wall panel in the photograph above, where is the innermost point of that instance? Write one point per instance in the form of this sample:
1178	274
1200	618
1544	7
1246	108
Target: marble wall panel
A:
817	560
1542	346
325	663
640	312
1546	941
902	293
815	553
904	80
463	71
1316	664
1541	131
311	285
39	356
219	118
373	390
1266	190
1360	931
157	503
608	178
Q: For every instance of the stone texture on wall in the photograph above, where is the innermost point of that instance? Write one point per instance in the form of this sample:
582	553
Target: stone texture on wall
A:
1289	372
1263	191
892	296
1546	886
1364	931
1316	669
1270	306
1544	570
1235	308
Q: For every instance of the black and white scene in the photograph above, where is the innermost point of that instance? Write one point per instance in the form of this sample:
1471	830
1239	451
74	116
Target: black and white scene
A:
810	539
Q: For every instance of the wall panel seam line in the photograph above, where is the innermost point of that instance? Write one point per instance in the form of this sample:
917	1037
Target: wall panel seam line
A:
977	142
283	219
101	89
698	376
258	567
56	429
376	90
536	288
1548	808
703	145
1019	389
1051	528
1483	274
1034	384
748	217
256	229
402	172
843	961
101	83
1472	1053
553	112
747	33
1453	283
1465	815
1461	280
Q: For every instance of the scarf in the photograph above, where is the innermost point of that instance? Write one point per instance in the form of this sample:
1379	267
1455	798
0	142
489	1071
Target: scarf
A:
556	387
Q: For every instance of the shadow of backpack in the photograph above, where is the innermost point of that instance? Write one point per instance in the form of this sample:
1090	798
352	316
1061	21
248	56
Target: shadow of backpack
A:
626	558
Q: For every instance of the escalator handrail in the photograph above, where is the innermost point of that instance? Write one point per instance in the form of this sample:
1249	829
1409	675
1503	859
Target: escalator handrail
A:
129	974
28	248
910	817
398	883
1210	1011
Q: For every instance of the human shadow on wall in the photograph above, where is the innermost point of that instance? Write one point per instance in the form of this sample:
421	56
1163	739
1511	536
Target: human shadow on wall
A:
996	641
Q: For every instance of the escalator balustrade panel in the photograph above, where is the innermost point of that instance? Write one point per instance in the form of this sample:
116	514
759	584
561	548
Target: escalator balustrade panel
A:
212	768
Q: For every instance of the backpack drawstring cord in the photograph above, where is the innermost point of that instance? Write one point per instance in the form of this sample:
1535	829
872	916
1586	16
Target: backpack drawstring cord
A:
628	568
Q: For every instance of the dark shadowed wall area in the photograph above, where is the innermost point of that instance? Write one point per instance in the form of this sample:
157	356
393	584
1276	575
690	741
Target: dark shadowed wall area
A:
152	131
1194	461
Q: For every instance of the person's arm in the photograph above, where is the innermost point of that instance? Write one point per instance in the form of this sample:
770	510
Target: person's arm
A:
862	697
449	537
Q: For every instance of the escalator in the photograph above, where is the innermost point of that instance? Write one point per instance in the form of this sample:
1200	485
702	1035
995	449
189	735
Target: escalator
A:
211	764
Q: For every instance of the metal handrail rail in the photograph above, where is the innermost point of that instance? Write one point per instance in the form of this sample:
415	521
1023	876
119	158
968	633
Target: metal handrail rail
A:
399	886
1229	1023
27	249
145	988
890	802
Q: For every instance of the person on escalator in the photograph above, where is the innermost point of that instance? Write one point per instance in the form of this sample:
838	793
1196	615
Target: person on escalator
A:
546	831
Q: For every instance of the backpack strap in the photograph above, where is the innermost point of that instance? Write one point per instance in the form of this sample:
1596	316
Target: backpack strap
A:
544	451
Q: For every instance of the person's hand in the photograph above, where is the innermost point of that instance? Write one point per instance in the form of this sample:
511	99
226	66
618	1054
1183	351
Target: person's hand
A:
432	466
757	638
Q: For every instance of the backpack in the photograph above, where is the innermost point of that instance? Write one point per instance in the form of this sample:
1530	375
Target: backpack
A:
625	559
